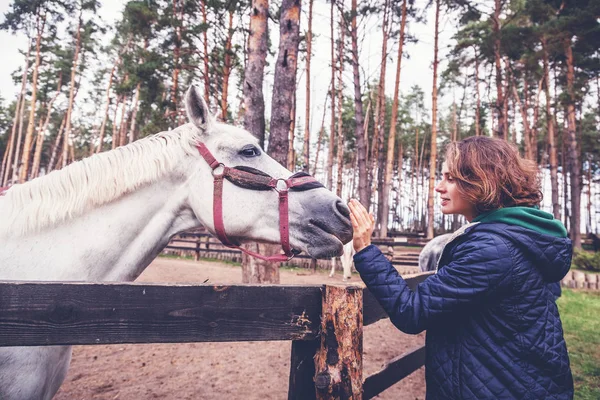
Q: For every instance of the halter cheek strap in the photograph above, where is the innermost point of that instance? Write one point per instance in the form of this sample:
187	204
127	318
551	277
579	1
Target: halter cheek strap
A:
254	181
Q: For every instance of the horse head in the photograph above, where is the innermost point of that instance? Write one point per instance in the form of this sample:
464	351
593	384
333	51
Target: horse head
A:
251	210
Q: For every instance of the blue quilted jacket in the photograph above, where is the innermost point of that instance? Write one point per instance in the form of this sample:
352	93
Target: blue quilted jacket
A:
493	329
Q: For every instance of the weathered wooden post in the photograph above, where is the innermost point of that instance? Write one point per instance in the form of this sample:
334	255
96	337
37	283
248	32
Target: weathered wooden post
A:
338	362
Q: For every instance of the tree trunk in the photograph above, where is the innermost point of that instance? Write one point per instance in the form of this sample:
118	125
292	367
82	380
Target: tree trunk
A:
40	25
340	96
551	135
205	55
17	121
433	156
285	80
37	157
506	91
176	56
378	161
123	125
115	130
363	188
55	149
501	127
525	119
110	80
291	157
306	147
227	68
321	132
589	202
572	150
392	135
330	148
71	94
132	133
478	109
254	103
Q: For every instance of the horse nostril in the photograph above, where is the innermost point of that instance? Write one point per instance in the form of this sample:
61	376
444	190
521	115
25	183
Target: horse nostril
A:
342	209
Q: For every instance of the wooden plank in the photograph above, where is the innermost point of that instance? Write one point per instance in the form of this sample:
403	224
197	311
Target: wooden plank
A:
396	370
373	312
88	313
302	370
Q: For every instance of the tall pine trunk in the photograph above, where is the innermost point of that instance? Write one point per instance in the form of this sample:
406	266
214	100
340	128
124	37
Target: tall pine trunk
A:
363	185
37	157
378	161
40	25
17	121
254	270
387	180
227	68
330	148
306	147
254	102
501	127
340	102
553	159
573	156
66	140
177	13
205	55
477	94
106	108
433	155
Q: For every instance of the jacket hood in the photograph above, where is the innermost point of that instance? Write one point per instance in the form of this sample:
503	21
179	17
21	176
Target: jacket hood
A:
537	234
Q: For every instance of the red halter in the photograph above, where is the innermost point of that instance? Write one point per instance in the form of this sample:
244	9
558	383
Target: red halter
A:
255	180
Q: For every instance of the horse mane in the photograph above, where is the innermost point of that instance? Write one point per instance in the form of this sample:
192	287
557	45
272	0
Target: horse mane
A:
93	181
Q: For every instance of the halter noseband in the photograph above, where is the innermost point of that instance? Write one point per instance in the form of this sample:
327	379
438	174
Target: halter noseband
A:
252	179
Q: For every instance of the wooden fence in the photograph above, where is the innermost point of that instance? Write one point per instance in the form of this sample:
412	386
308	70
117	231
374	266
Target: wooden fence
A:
402	252
34	313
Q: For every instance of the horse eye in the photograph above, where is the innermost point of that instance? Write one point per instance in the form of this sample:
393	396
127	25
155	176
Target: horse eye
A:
250	151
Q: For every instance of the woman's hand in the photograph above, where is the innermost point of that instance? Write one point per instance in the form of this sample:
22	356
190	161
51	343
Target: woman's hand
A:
363	224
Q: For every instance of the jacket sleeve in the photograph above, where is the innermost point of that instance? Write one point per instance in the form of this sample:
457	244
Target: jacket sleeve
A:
478	269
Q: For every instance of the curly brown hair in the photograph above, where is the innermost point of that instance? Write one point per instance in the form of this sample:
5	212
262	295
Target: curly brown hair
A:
491	174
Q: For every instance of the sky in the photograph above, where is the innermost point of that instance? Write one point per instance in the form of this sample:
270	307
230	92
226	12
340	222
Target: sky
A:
416	70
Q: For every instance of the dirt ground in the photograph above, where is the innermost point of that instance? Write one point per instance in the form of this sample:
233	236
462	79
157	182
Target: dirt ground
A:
248	370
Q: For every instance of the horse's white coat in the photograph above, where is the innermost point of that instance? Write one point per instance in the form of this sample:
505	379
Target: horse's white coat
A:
107	218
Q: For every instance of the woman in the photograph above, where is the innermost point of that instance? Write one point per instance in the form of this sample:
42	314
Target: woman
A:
493	329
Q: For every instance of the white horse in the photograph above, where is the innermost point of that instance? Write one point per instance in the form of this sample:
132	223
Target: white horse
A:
107	217
347	260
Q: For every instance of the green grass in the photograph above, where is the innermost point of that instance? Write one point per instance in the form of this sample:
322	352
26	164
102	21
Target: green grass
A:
580	315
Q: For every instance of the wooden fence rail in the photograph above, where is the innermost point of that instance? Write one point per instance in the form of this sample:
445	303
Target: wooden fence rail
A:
401	251
52	313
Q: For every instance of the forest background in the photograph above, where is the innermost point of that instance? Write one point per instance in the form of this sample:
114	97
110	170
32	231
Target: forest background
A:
362	94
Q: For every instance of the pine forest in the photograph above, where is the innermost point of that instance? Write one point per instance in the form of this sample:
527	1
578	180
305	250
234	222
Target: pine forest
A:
301	76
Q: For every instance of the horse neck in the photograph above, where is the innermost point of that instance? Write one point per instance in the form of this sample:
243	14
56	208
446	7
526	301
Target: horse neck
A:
113	242
141	225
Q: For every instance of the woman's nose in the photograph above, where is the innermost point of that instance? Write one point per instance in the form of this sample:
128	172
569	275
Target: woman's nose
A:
439	188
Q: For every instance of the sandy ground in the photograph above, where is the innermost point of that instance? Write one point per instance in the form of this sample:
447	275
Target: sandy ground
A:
248	370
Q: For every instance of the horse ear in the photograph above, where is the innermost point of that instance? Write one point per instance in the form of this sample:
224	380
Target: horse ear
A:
197	109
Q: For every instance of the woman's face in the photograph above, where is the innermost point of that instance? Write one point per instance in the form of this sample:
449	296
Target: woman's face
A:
453	201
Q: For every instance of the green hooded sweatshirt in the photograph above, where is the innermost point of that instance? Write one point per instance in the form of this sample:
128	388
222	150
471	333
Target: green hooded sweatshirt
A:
527	217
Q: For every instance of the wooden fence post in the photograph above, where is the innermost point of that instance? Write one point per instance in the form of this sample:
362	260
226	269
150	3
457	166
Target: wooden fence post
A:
338	362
